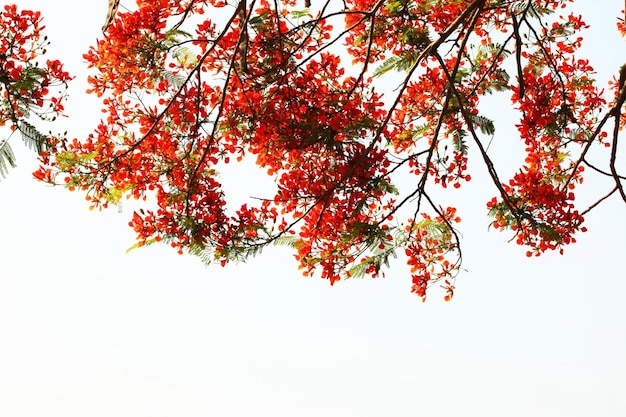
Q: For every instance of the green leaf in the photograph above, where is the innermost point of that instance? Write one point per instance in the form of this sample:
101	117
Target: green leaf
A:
390	63
138	245
286	240
549	232
258	20
485	125
298	14
458	139
393	7
384	185
29	78
174	80
32	137
358	270
177	34
185	56
7	158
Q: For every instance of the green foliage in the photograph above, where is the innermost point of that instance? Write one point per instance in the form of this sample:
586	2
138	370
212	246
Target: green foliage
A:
437	229
402	62
67	160
503	213
499	83
484	124
185	56
458	139
387	187
240	253
33	138
175	80
209	255
7	158
139	245
258	20
30	78
299	14
286	240
380	256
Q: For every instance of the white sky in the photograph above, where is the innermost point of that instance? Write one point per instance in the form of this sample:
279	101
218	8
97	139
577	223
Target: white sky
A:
88	330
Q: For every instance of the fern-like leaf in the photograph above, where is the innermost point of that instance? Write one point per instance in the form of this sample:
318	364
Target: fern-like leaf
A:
390	64
174	80
7	158
458	139
32	137
286	241
185	56
485	125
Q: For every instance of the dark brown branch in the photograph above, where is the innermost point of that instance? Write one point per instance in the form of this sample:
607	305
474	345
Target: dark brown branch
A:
518	55
242	12
601	171
594	205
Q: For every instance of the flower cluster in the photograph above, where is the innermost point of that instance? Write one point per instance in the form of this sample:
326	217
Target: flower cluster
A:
189	86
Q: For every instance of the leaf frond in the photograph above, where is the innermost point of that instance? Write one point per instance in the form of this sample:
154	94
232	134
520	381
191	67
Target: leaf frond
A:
7	158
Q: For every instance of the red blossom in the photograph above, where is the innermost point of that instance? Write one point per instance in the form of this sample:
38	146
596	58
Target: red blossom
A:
186	92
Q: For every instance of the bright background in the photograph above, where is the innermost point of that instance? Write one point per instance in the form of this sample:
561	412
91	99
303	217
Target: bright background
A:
88	330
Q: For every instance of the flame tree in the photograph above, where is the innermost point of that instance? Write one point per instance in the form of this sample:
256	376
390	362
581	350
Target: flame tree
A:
338	101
